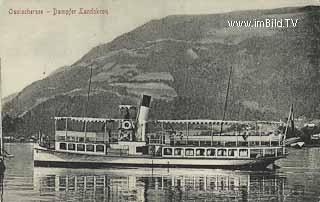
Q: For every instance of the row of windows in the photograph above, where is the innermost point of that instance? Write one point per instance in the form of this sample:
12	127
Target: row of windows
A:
204	152
226	144
82	147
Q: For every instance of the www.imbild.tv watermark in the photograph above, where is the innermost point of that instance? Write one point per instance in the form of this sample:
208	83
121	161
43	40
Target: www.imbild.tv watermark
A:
267	23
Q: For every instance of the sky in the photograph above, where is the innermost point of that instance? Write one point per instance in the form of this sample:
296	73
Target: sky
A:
31	45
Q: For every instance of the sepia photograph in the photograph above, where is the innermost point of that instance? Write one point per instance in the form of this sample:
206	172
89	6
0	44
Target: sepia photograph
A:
158	101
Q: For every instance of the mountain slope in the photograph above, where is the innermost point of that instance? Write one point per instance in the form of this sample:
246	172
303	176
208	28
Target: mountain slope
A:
183	62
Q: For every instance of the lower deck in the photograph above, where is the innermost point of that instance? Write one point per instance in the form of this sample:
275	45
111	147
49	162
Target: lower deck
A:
141	149
52	158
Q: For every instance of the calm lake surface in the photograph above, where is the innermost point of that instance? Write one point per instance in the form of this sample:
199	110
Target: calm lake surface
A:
298	179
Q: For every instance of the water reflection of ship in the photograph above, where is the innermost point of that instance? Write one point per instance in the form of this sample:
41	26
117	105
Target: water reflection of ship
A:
157	185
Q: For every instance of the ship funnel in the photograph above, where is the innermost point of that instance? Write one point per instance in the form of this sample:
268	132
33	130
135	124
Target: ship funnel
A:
143	117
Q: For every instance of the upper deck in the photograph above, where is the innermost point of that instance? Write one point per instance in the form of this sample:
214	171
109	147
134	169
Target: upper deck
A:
170	132
102	136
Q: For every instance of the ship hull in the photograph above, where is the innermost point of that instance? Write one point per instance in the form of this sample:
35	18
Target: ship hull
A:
52	158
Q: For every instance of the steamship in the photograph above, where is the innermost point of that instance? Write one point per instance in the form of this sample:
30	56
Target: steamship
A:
135	141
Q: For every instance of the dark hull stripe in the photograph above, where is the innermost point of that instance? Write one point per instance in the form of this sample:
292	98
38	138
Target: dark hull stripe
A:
261	166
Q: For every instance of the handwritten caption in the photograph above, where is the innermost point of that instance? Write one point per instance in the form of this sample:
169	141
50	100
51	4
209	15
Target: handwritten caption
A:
59	11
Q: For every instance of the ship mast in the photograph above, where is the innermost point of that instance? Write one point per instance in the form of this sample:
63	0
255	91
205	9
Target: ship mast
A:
226	101
88	95
87	105
290	119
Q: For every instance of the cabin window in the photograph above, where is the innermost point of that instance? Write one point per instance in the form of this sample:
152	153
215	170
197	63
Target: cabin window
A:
255	143
178	151
243	144
61	138
139	149
90	148
80	147
189	152
256	153
199	152
222	152
231	144
232	152
194	143
243	152
70	138
211	152
215	143
63	146
143	150
71	146
99	148
167	151
270	152
206	143
90	139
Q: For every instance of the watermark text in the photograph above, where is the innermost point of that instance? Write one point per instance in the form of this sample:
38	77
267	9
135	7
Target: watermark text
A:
265	23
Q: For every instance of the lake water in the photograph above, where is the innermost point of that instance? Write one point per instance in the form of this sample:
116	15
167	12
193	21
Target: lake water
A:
298	179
